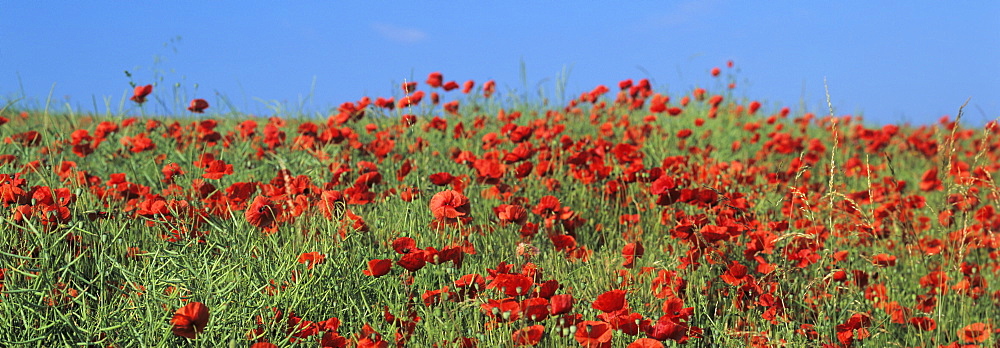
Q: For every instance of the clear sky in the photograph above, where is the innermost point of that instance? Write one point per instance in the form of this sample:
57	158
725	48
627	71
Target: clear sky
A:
892	61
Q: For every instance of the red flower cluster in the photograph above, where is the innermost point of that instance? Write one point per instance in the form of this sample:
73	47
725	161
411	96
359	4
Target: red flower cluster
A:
631	190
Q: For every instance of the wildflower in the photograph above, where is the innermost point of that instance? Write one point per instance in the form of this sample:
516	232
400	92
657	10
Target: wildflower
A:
610	301
526	250
434	79
535	308
441	179
378	267
190	320
449	205
488	88
409	87
410	100
263	213
413	261
511	214
198	106
312	259
645	342
592	334
977	332
561	304
141	92
632	251
528	336
736	274
856	327
884	260
923	323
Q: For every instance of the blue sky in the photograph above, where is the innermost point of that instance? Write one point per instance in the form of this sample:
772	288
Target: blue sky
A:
893	61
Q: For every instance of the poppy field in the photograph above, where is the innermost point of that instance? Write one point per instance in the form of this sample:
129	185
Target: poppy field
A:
452	214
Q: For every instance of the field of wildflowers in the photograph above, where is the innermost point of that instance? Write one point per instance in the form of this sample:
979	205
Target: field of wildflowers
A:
451	216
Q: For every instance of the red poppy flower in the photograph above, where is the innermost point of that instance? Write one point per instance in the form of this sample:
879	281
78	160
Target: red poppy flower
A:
923	323
190	320
937	281
434	79
670	328
312	259
926	303
369	338
535	308
645	342
141	92
929	181
715	100
528	336
388	104
434	297
547	206
404	245
610	301
332	339
441	179
378	267
699	94
450	85
216	169
413	261
545	289
884	260
451	107
30	138
508	213
505	310
716	71
561	304
488	88
512	284
455	254
198	106
736	274
410	100
593	334
409	87
449	205
470	284
659	103
974	333
632	251
263	213
856	327
563	242
467	87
